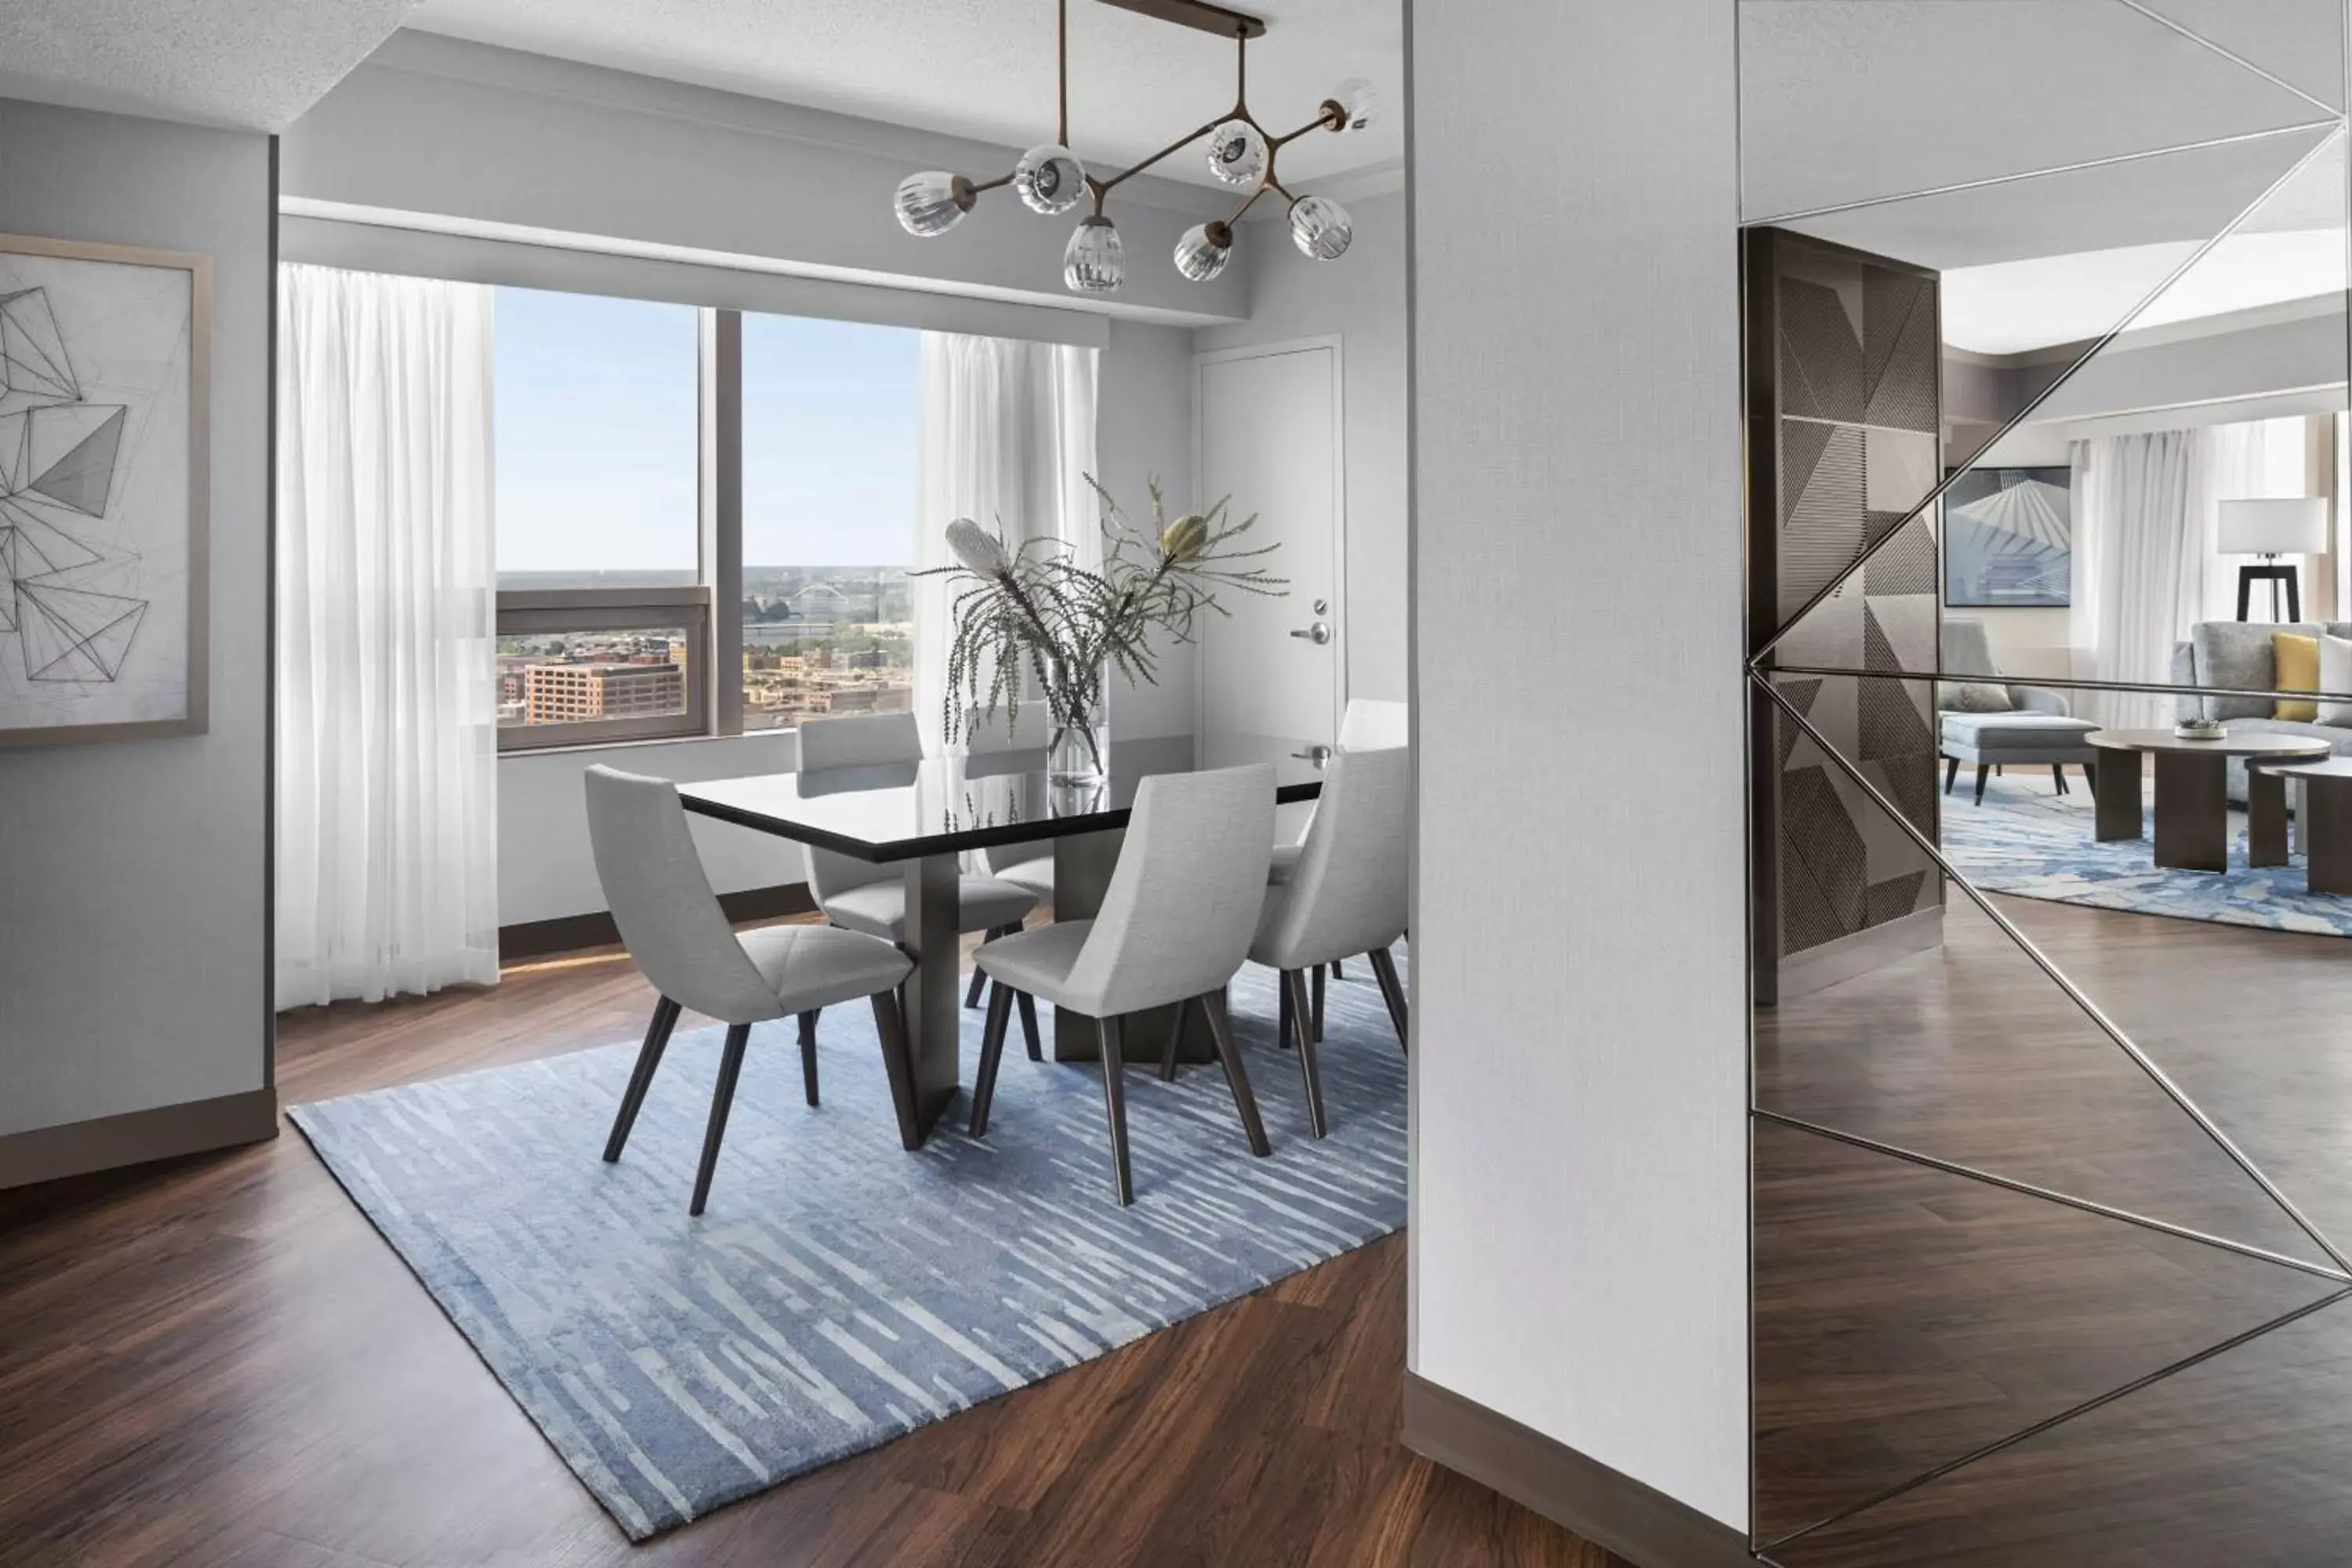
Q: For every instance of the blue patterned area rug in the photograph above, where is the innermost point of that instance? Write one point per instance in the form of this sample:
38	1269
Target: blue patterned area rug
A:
840	1292
2028	840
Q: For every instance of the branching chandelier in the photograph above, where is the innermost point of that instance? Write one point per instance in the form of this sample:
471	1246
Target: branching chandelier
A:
1240	152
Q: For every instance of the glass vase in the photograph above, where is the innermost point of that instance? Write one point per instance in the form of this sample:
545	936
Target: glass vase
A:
1079	751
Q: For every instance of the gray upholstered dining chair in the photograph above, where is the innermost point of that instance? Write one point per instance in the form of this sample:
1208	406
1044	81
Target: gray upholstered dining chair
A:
1367	724
1349	896
672	924
1174	926
1030	728
871	896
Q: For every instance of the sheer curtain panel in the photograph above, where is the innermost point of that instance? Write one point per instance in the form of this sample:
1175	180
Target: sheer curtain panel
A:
1008	437
387	739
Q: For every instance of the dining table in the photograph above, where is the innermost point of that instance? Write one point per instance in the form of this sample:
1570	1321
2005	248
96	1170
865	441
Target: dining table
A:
927	815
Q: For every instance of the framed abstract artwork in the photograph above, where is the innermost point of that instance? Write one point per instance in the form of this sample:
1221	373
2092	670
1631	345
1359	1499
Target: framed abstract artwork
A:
104	367
2009	539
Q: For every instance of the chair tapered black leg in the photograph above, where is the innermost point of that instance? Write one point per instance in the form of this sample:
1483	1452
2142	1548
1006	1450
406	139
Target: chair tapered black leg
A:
2058	773
897	1065
808	1054
1337	972
1302	1016
991	1052
1983	772
641	1077
1221	1032
1319	1003
1391	990
1114	1067
1951	773
1175	1041
1282	1014
1028	1005
971	991
730	1067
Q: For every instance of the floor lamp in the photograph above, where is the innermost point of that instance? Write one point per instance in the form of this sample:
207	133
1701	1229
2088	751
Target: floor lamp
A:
2271	528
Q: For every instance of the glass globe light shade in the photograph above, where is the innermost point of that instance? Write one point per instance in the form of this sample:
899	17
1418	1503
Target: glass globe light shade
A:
1360	98
1203	251
933	202
1322	227
1095	262
1236	153
1050	179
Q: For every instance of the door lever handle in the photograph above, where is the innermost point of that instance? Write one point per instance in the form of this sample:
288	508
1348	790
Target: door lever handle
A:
1317	634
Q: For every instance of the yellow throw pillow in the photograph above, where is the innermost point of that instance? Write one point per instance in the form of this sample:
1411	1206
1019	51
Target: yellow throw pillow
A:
2298	670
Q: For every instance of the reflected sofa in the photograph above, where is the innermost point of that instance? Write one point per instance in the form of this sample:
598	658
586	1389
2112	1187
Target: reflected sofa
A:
2238	654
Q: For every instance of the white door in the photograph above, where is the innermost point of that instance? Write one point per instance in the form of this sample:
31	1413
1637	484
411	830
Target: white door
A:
1268	427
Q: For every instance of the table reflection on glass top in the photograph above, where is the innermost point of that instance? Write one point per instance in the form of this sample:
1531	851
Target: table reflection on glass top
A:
946	803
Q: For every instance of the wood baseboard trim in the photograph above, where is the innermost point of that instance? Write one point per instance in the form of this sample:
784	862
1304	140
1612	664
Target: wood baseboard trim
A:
1608	1509
136	1137
569	934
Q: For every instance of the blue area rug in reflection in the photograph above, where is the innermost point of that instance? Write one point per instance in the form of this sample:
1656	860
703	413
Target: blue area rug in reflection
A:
841	1291
2029	840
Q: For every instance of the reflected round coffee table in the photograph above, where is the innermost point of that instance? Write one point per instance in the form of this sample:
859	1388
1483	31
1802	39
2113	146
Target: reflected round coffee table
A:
2324	816
2192	803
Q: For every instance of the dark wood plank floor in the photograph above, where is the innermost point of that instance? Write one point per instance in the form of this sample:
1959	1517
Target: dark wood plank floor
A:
1906	1316
216	1364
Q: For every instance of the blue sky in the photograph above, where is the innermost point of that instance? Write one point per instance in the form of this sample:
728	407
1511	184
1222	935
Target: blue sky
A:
596	411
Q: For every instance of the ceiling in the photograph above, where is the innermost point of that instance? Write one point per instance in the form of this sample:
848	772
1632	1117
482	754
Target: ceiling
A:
248	65
984	69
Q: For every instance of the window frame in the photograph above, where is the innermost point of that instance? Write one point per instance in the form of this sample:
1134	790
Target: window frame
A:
537	611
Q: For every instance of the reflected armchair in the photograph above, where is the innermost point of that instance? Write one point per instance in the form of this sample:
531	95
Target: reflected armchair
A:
1990	721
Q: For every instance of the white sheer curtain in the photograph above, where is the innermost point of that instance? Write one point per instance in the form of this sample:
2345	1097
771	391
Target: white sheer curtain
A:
1008	437
387	739
2145	565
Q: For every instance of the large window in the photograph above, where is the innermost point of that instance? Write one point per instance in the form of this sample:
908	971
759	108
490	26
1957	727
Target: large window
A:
612	551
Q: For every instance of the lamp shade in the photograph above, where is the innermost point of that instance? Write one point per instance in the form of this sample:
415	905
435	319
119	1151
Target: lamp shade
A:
2290	526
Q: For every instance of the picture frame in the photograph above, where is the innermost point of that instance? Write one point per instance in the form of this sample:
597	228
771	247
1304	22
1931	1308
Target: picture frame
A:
105	491
2009	539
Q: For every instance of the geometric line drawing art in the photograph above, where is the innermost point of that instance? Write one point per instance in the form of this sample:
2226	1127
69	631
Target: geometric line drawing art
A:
105	414
60	448
83	635
82	475
33	368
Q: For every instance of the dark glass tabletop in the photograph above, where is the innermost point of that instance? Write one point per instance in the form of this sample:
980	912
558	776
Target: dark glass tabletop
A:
944	804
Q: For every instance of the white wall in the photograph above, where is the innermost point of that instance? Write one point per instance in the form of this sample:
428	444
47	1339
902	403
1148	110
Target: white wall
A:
1361	300
1580	1227
1143	429
132	960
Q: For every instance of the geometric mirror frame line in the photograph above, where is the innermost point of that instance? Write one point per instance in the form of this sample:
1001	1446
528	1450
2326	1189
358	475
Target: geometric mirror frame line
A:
2234	58
2055	683
2090	1009
2052	1194
2096	347
2027	1433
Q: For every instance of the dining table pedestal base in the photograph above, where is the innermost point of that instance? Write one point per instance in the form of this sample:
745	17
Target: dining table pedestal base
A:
1083	864
933	996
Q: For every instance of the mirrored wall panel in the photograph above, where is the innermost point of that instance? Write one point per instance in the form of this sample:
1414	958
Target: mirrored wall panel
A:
2050	614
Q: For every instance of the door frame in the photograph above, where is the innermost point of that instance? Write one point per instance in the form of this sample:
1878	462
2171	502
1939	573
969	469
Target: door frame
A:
1201	363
